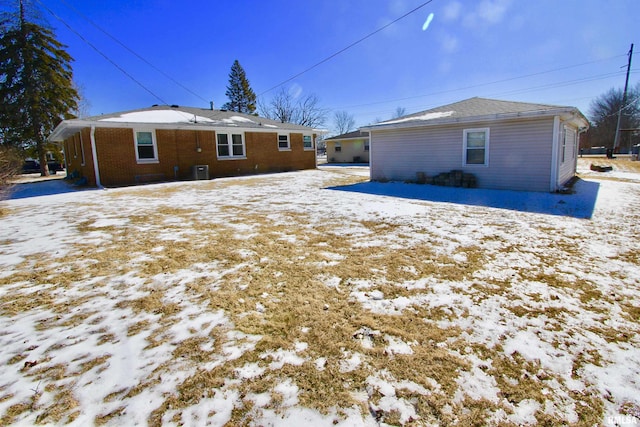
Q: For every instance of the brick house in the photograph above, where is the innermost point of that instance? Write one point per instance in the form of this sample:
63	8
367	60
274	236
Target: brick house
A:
177	143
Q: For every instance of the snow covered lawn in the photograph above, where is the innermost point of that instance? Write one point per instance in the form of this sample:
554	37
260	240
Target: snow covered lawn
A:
315	298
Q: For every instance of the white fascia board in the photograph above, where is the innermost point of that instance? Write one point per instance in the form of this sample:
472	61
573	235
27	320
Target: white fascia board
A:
74	125
471	119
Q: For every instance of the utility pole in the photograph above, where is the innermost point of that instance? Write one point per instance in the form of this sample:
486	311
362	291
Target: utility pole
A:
616	140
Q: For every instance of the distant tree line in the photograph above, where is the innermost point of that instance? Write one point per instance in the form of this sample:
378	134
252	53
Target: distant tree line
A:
603	114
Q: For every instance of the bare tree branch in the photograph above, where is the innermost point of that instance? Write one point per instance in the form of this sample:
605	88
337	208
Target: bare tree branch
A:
343	122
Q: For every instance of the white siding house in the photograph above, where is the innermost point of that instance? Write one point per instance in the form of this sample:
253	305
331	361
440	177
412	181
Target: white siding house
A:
505	145
352	147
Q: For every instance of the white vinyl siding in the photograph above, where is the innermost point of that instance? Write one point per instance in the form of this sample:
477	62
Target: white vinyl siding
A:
519	153
567	155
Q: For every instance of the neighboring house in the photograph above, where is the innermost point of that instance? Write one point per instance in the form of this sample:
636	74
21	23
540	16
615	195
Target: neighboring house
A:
352	147
166	143
505	145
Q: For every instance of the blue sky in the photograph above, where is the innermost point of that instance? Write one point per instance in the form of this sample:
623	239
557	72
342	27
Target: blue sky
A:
563	52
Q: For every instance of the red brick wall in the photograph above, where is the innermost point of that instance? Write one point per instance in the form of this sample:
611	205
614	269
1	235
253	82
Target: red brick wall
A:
183	149
78	156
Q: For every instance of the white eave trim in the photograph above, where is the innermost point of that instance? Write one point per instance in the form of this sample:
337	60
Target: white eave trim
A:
569	112
60	133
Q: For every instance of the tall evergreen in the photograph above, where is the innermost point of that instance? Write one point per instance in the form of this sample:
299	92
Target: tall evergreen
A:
36	88
241	97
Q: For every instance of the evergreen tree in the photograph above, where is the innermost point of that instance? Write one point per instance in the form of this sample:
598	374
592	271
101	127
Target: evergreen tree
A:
36	87
241	97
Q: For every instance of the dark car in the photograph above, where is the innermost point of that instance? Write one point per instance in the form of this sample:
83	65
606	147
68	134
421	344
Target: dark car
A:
33	166
30	166
55	167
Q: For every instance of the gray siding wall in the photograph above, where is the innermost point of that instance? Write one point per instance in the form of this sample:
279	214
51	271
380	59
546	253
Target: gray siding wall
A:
567	168
519	153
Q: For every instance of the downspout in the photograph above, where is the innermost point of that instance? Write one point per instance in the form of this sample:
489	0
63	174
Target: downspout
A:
370	156
94	154
553	185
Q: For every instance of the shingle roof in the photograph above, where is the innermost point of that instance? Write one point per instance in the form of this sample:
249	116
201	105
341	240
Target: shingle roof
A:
475	108
177	117
223	118
350	135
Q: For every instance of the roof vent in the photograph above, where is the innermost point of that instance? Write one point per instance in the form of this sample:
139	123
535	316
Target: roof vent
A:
175	106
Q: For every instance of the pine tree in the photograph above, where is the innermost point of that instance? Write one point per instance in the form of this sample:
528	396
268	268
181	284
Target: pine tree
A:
36	87
241	97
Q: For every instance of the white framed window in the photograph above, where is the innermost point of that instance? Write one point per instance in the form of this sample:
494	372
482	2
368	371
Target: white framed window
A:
230	145
75	147
366	146
475	150
338	146
82	161
283	141
568	144
146	146
307	142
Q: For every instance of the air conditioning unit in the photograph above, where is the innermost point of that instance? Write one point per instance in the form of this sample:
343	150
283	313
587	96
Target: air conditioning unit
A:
200	172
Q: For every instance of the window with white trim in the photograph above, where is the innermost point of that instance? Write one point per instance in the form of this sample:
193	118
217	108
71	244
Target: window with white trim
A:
568	143
82	161
283	141
307	142
230	145
338	146
146	147
366	146
475	147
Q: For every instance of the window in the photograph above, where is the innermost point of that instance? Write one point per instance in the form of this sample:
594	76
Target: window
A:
338	147
307	142
568	142
82	162
366	146
230	145
146	149
283	142
75	147
476	147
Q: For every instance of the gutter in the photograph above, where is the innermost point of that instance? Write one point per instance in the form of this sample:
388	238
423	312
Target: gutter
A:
553	183
95	157
488	117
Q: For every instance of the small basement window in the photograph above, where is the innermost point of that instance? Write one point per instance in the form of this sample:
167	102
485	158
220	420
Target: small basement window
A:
146	147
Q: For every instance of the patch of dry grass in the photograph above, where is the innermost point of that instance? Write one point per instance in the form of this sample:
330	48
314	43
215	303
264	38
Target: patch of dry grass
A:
291	282
619	164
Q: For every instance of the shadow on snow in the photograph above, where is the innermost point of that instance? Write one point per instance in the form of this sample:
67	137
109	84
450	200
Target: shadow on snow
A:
42	188
579	204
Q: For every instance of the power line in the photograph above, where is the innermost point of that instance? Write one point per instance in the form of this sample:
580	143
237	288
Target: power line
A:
133	52
485	84
103	54
522	90
347	48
